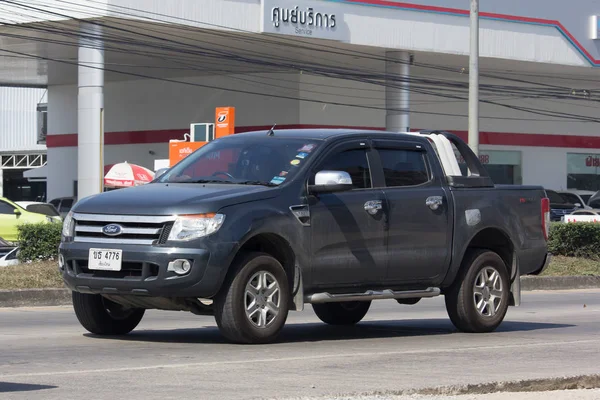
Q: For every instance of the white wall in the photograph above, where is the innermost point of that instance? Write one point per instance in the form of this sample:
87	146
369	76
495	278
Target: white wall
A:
142	104
545	166
424	107
154	105
146	105
62	171
449	34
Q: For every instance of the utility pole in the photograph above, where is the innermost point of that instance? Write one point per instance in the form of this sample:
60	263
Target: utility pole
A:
474	79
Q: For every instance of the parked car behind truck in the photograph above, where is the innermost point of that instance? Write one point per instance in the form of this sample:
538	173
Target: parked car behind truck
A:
559	206
254	225
12	215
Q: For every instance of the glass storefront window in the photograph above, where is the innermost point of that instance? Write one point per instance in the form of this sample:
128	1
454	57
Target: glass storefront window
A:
583	171
503	166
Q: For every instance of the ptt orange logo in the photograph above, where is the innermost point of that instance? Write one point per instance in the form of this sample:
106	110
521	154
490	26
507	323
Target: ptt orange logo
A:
222	119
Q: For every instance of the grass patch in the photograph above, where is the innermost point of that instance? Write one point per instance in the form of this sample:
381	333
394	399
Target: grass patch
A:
569	266
40	274
44	274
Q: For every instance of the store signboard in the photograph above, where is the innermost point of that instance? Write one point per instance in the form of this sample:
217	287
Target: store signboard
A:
178	150
224	121
583	163
309	19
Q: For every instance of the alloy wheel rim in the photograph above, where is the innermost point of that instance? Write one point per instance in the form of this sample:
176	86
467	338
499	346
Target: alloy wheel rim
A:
262	299
488	292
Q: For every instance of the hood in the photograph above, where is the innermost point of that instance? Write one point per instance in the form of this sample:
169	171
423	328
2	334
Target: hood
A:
172	198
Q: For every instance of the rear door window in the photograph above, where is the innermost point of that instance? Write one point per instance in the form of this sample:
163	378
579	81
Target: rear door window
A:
404	167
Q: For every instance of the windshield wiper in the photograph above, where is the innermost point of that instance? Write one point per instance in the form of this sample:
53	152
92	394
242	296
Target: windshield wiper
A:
203	181
256	183
227	182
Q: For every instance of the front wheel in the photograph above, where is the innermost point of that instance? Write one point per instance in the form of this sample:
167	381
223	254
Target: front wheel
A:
253	306
342	313
101	316
478	300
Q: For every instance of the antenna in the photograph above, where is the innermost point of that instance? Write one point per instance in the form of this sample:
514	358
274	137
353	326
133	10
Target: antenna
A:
271	132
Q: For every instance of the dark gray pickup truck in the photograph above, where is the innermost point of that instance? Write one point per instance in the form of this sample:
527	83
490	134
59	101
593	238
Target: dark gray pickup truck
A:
254	225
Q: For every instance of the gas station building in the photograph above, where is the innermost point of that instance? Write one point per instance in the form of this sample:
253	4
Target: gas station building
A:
124	77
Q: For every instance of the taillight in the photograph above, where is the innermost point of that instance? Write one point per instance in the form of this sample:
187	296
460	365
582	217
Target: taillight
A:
546	217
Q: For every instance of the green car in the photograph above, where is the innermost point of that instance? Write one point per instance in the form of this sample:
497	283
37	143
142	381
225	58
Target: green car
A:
12	215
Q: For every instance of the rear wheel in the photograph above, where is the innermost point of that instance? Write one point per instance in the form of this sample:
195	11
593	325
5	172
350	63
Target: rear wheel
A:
342	313
104	317
253	306
478	300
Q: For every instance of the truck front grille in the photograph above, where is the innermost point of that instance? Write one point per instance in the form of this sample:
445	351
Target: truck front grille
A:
129	270
132	229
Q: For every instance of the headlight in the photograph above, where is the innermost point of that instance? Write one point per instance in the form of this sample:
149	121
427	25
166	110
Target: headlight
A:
187	227
49	219
68	225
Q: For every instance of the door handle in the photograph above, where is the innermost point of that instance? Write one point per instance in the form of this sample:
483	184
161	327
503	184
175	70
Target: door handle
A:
434	202
373	206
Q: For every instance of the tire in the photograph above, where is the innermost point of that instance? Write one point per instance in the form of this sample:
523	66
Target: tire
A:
104	317
265	321
343	313
462	299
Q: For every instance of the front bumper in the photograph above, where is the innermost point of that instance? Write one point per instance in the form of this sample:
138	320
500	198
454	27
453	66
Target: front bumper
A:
144	270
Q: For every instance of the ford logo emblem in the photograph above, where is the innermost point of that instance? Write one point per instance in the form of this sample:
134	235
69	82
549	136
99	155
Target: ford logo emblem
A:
112	229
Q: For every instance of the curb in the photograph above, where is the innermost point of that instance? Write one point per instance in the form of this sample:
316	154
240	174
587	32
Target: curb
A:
62	296
530	283
35	297
581	382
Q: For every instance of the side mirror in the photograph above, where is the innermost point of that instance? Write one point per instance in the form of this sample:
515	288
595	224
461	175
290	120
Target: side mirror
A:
17	212
331	181
578	205
160	172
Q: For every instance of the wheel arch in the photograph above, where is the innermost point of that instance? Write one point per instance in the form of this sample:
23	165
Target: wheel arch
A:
490	238
497	240
276	246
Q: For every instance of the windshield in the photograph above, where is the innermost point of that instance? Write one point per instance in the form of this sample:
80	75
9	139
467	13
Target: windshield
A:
585	197
244	160
46	209
555	197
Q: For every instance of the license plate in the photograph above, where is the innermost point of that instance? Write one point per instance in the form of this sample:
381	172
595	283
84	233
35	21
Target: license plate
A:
105	259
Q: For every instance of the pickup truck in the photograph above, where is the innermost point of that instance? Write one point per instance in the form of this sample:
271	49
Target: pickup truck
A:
254	225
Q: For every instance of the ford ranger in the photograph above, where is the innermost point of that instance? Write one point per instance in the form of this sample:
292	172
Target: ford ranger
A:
254	225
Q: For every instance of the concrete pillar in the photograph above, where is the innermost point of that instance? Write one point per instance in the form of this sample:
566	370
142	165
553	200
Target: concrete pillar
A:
90	111
397	99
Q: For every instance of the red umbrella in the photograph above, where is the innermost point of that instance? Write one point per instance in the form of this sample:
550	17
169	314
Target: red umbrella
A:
126	175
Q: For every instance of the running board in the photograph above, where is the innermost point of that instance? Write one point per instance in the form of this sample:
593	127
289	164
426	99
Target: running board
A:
371	295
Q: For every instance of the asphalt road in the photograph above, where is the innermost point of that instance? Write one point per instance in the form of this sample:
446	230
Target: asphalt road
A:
45	354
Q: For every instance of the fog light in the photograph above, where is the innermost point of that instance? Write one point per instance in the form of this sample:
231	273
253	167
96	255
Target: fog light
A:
180	267
61	261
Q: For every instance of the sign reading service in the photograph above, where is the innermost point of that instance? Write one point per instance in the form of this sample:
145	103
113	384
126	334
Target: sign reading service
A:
311	19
